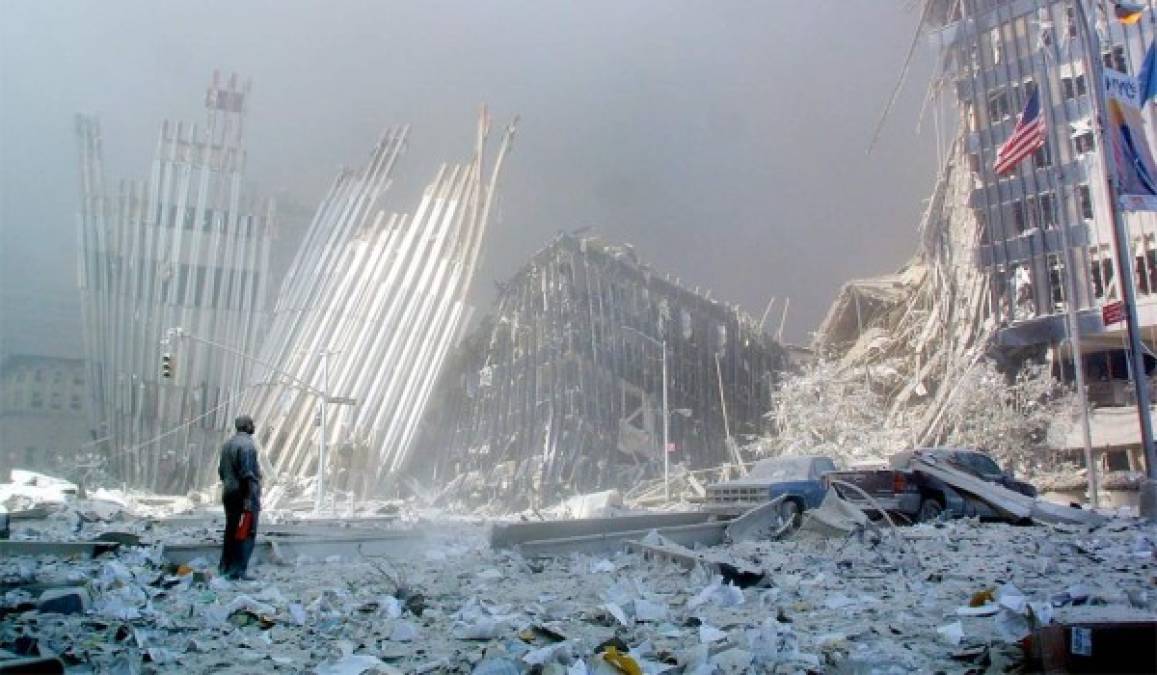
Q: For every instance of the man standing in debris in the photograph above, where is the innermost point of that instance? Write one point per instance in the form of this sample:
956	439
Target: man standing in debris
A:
241	494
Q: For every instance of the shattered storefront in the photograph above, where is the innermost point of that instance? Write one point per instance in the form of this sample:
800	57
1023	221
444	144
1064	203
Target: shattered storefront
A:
563	389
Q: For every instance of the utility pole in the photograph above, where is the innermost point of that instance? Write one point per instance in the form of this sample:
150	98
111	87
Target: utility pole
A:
1070	289
321	449
322	394
1092	44
662	344
666	431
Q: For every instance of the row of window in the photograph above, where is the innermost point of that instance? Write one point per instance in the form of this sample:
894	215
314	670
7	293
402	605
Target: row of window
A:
210	219
993	45
1040	210
39	375
36	401
1018	296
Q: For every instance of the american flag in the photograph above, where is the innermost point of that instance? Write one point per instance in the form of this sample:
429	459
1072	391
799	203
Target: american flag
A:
1026	138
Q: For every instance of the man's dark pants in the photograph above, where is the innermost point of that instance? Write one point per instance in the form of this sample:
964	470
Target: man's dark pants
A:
235	554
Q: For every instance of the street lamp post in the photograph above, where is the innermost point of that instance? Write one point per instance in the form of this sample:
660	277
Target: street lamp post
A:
322	394
666	416
666	431
1092	48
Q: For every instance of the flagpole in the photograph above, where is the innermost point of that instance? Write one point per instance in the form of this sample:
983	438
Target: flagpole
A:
1092	45
1071	300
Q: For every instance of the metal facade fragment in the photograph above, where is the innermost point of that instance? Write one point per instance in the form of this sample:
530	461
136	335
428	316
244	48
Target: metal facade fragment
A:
367	313
188	246
561	392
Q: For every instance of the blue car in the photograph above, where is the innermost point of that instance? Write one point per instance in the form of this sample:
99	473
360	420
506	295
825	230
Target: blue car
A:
796	476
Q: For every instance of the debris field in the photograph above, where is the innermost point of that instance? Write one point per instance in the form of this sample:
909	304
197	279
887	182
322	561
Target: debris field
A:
955	596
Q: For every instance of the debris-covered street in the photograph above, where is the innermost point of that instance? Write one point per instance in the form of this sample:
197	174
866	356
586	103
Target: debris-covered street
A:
954	596
524	338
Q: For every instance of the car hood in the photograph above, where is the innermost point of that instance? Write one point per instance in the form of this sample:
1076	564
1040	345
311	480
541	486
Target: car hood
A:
781	485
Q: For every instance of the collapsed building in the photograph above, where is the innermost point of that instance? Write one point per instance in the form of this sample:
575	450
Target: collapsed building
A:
187	247
1012	265
564	389
365	318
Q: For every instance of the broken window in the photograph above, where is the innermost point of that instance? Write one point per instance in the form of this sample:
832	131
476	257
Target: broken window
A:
1116	460
1101	272
1114	58
1056	283
1024	292
998	106
1151	260
1019	216
971	116
1003	286
1048	212
1074	86
1071	22
1085	202
1145	266
1083	142
1042	158
990	44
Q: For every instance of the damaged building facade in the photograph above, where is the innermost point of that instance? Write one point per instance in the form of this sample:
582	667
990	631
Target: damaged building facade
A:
564	389
365	318
187	247
993	56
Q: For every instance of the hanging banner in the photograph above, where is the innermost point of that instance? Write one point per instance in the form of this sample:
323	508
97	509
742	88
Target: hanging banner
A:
1132	160
1122	87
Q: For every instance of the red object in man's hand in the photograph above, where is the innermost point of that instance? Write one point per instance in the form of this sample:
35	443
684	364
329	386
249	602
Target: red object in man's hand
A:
245	526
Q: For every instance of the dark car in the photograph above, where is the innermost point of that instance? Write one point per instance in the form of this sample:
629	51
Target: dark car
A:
798	477
921	497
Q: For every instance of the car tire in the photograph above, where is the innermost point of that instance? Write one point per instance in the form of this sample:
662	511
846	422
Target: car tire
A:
789	511
930	510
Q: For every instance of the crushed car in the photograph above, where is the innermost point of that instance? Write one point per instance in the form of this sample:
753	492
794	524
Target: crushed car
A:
905	490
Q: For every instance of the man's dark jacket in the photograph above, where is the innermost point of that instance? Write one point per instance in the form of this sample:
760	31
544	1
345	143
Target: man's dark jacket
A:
240	473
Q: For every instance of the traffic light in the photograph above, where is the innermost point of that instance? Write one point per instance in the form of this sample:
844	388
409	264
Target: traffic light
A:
166	365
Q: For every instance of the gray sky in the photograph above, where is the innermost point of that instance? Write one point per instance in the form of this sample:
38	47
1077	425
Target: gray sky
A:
725	140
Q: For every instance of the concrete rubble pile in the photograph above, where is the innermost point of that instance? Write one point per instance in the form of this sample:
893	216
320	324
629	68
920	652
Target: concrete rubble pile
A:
691	595
916	334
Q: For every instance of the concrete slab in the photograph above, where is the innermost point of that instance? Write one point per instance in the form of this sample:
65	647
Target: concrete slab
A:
281	548
58	549
507	535
760	522
703	534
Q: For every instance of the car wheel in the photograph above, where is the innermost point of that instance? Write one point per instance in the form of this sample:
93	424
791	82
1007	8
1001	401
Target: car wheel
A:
789	512
930	509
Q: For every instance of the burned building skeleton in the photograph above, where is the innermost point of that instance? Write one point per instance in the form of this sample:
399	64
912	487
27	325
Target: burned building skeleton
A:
563	390
187	247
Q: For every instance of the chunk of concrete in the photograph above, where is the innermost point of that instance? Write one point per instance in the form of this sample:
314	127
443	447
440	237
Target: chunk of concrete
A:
72	600
32	666
122	538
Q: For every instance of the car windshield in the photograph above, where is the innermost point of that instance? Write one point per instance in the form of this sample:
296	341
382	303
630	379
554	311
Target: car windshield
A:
980	463
781	468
